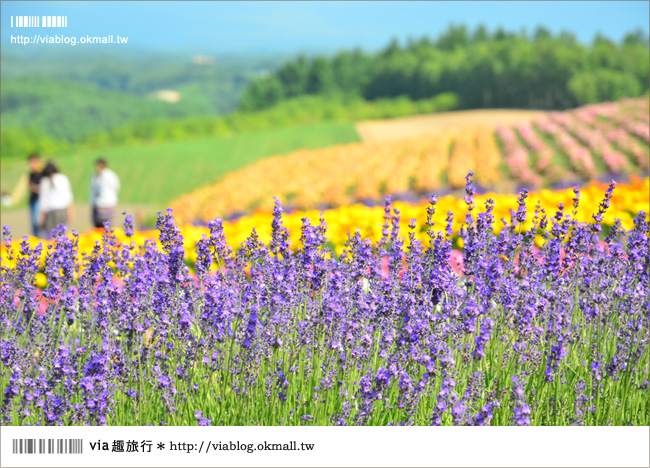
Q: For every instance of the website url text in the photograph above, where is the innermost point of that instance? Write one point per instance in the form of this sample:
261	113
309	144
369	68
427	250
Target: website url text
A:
69	40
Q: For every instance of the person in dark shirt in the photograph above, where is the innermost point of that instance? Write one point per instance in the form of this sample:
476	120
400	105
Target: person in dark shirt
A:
34	181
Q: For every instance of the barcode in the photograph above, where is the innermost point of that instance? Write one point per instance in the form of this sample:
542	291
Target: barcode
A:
36	22
72	446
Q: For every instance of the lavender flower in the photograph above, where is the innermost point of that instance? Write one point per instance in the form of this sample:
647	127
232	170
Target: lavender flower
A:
389	333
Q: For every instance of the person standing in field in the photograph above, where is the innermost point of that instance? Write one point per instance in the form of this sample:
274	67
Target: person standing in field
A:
34	180
29	182
55	199
104	186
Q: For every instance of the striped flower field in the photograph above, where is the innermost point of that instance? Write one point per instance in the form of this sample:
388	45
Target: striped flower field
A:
608	139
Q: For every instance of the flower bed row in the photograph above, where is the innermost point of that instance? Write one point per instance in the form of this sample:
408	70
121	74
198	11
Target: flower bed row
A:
357	172
629	199
517	158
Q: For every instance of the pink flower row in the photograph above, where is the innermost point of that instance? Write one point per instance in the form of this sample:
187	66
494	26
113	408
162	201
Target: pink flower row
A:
517	157
543	152
590	114
579	156
624	141
635	122
595	140
639	129
634	127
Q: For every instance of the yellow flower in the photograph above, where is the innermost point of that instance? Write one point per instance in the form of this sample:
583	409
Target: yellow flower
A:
628	200
41	280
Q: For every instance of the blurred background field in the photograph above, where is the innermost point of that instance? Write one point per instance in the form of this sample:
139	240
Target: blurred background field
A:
158	172
218	127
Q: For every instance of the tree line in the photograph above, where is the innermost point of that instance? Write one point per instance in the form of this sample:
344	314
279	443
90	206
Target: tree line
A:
485	70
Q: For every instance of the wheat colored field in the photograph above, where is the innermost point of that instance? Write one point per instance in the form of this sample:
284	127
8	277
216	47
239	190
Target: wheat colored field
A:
406	127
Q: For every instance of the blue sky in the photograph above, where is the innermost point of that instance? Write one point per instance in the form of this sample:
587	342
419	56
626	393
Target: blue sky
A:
206	27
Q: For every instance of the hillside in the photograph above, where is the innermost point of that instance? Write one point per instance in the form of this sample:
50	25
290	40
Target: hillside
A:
70	111
608	140
53	101
139	73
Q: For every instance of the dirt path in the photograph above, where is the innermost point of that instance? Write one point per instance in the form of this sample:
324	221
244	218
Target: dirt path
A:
18	219
406	127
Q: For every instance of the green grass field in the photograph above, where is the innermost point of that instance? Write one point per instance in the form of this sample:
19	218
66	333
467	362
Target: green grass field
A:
157	173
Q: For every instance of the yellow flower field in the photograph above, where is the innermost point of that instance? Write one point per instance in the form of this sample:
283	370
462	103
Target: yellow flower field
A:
627	201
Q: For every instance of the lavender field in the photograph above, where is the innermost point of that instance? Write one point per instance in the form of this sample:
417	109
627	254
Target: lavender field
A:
270	335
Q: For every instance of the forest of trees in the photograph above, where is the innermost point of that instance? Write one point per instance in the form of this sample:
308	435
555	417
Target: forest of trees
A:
485	70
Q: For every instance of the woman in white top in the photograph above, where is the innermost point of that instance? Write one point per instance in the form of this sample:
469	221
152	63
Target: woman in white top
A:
55	197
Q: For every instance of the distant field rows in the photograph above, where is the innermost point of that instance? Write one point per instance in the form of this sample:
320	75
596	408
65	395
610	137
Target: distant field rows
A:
420	125
609	139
